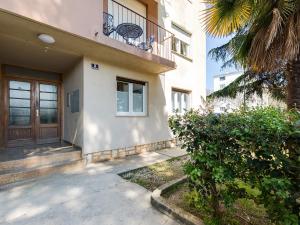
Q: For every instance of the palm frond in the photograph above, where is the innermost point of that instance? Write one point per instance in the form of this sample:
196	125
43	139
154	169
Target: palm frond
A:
274	28
224	17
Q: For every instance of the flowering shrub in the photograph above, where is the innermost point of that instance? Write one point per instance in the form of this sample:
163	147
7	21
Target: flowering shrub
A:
259	147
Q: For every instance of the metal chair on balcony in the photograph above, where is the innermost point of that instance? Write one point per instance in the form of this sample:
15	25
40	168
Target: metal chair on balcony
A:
108	24
148	45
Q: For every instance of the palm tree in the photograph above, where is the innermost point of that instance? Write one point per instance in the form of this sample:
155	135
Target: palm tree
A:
266	37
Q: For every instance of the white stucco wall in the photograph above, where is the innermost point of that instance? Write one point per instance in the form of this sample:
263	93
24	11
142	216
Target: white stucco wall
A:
190	74
70	15
103	130
229	77
73	122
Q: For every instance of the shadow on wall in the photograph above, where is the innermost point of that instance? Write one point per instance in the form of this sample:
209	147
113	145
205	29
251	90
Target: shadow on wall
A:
77	136
108	132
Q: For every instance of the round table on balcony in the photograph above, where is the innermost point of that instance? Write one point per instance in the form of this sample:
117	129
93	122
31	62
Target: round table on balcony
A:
129	31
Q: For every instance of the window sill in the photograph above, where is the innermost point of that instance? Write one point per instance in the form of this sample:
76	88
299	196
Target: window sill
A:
131	115
182	56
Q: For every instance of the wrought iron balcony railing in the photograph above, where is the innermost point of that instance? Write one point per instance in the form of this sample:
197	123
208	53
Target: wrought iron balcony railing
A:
125	25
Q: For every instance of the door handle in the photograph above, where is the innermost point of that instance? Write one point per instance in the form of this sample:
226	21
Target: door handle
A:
37	112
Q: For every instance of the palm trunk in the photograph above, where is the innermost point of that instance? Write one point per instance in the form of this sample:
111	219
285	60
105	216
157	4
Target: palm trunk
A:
293	87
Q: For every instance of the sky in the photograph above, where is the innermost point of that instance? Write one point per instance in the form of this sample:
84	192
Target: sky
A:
213	67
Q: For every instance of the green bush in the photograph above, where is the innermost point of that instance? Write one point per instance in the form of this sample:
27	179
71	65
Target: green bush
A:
259	147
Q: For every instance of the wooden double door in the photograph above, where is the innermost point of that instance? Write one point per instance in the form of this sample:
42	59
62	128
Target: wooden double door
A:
32	112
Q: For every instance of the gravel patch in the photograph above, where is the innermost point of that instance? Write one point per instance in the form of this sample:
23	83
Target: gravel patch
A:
151	177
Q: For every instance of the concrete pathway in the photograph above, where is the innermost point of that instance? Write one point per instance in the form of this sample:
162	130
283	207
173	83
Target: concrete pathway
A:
94	196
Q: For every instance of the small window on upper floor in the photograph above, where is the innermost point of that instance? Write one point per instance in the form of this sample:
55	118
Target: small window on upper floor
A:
180	47
175	44
222	78
181	42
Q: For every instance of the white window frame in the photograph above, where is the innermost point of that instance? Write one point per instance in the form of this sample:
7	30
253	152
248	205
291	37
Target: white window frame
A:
130	90
182	110
178	45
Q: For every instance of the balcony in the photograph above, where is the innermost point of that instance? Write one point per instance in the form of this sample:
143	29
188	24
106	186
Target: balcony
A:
78	37
125	25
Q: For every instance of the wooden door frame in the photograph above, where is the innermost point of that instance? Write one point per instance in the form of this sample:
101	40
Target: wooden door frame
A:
4	106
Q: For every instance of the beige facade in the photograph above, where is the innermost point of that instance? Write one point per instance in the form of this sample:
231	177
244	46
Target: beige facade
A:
80	45
181	18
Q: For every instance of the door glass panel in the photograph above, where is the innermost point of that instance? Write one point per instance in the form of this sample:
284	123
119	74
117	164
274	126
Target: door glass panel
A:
19	120
48	96
48	104
48	116
19	111
48	88
19	103
19	85
19	94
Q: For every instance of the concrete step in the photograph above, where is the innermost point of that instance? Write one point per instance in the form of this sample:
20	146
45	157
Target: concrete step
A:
40	160
12	175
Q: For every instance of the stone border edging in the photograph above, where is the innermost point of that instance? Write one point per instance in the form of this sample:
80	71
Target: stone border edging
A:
163	206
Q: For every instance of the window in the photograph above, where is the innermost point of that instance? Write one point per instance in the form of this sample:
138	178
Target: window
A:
180	47
176	44
48	96
20	103
222	109
184	47
222	86
131	97
222	78
180	101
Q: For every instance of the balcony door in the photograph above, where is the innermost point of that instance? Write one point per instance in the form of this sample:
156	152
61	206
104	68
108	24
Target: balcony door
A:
32	109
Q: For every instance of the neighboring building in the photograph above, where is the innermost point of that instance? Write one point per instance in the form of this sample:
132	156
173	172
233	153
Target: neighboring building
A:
103	75
221	105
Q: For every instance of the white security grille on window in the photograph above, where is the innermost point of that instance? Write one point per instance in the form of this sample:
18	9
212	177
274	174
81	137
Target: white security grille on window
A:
131	97
180	101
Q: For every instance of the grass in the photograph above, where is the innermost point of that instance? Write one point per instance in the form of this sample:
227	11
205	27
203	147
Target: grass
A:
244	212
